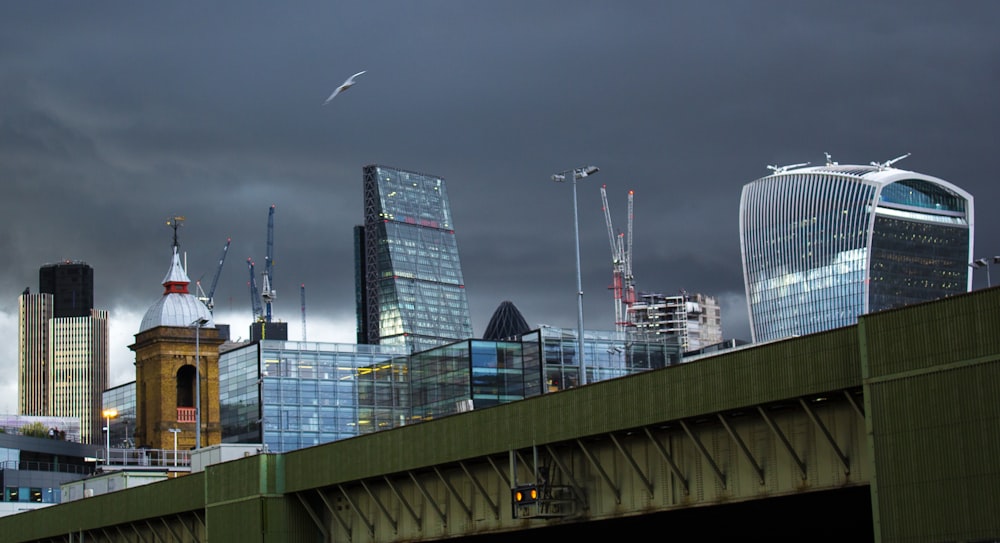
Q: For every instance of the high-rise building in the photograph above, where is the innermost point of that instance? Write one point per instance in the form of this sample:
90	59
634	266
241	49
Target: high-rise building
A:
691	321
409	282
63	343
71	284
79	364
704	326
34	314
823	244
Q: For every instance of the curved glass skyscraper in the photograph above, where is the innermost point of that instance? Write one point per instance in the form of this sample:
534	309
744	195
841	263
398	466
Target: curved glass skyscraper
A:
821	245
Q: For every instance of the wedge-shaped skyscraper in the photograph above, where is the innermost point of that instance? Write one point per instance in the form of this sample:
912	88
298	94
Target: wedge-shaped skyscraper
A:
821	245
410	289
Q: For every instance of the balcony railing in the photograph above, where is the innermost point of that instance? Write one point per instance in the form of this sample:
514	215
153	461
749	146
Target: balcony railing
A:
146	458
186	414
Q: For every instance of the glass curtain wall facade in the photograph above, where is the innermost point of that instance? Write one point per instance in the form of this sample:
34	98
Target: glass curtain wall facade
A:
122	399
410	274
822	245
608	356
289	395
471	374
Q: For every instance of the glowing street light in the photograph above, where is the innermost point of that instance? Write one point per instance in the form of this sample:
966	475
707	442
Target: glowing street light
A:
578	173
108	414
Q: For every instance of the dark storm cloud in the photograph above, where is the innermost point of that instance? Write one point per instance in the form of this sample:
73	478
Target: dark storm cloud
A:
117	116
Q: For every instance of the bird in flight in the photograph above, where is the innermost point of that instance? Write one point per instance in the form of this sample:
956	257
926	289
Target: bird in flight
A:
344	86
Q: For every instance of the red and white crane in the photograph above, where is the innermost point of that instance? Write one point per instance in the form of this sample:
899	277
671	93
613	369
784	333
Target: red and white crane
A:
623	284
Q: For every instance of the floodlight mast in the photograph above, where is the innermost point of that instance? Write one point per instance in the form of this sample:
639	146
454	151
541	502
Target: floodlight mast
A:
578	173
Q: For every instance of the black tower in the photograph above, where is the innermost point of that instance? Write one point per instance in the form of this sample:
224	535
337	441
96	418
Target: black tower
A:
71	284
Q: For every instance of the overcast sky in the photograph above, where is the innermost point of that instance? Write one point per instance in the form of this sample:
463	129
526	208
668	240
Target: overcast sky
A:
115	116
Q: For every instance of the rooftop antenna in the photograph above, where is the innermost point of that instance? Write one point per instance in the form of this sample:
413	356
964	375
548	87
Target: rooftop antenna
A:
783	169
829	160
888	163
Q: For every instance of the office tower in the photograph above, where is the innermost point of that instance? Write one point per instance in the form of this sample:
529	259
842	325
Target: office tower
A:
34	314
63	343
71	283
79	368
507	323
823	244
408	268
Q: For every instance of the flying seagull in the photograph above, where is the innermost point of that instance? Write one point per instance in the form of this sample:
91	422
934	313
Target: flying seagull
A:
344	86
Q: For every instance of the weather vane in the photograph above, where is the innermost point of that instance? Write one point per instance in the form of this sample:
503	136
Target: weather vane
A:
175	223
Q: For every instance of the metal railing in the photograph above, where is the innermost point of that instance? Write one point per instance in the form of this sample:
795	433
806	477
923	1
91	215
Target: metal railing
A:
153	458
31	465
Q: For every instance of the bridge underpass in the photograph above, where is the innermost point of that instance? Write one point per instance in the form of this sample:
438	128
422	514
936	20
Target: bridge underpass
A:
843	515
707	465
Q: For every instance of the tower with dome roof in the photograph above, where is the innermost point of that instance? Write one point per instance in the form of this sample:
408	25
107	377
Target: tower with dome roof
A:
167	347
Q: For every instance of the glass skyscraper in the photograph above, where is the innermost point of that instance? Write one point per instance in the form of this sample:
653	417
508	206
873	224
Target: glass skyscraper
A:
821	245
409	282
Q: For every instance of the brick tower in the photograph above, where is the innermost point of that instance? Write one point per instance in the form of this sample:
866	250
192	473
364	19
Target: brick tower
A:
177	359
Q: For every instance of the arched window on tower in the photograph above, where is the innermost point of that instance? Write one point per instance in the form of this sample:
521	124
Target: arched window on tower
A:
185	386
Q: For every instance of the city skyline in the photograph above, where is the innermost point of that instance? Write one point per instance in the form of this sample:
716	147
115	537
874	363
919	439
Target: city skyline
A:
119	117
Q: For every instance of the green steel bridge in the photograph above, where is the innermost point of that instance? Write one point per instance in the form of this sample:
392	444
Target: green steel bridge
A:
888	430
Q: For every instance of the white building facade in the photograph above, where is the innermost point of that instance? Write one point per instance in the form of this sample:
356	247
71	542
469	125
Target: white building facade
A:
821	245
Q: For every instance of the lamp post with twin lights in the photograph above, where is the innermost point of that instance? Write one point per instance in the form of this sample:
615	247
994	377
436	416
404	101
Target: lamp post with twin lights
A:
578	173
985	263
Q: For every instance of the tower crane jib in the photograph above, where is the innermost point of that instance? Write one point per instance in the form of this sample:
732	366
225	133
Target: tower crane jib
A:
268	294
258	313
617	263
209	298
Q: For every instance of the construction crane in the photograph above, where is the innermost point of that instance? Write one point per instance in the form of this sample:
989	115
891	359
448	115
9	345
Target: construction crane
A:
268	294
258	313
209	299
302	290
622	284
628	288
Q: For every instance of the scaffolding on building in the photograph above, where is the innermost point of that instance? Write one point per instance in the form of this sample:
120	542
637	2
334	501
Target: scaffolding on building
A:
657	318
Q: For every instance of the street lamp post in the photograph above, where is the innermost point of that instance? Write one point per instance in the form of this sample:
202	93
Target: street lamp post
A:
578	173
108	414
198	323
984	263
175	431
